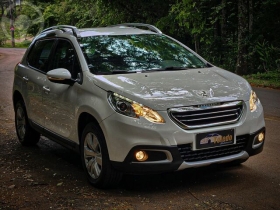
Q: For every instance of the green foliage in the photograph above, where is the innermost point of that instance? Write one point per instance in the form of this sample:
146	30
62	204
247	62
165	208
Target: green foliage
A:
3	38
267	79
23	44
268	56
211	27
4	29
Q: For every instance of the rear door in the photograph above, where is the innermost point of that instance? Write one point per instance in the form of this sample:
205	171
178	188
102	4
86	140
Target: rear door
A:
34	77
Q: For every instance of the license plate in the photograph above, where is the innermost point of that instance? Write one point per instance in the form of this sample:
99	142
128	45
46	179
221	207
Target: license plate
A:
215	139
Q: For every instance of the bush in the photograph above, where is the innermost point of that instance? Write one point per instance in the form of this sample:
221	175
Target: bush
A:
24	43
2	38
267	79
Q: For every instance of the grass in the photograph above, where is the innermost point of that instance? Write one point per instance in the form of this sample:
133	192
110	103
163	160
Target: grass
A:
23	44
269	79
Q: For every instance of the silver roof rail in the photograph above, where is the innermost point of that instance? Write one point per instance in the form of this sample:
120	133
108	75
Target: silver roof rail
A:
74	29
151	27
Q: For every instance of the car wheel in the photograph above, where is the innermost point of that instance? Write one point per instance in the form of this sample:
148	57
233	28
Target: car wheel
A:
27	136
95	158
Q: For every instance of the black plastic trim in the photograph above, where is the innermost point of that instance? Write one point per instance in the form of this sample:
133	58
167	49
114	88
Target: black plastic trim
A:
129	165
55	137
251	151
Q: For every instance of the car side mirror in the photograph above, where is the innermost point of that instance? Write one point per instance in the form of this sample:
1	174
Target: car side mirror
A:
61	76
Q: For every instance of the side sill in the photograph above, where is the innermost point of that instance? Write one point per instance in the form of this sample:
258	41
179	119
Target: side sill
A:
56	138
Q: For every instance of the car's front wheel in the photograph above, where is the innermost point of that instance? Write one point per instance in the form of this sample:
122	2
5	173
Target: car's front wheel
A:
95	158
27	136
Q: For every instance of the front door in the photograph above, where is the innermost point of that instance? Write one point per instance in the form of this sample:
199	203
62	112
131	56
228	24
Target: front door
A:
59	99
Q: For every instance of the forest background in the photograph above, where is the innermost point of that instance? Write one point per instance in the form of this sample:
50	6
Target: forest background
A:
238	35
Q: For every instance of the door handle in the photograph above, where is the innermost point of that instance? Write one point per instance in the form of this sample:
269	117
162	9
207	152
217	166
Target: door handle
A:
46	89
25	78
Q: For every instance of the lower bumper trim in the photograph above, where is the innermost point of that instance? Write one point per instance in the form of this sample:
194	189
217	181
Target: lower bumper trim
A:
242	155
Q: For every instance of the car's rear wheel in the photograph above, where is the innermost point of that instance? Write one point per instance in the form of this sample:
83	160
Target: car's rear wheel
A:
27	136
95	158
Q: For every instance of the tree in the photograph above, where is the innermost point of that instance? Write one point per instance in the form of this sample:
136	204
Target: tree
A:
228	33
243	29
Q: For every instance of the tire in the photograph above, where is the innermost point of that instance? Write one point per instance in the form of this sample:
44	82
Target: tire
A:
27	136
95	158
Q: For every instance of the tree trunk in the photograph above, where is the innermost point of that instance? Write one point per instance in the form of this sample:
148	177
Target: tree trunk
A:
196	43
223	31
242	65
223	20
2	10
251	16
12	22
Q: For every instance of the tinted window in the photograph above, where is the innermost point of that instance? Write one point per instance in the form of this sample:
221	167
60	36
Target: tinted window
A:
39	54
136	52
65	57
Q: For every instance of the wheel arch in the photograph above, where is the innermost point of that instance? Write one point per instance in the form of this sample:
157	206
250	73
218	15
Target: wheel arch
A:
83	120
17	97
109	176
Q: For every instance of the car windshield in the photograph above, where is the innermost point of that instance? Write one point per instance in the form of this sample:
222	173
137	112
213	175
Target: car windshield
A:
136	53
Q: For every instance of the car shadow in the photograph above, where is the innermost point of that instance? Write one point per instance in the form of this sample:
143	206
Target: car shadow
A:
210	175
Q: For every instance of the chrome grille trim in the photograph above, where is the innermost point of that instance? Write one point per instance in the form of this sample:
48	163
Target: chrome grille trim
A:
207	115
212	113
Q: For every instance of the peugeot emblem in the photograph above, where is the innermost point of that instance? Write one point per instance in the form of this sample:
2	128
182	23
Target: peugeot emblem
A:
203	93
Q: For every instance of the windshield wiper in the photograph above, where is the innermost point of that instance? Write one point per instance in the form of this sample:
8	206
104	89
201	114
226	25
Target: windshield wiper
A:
121	72
175	68
113	72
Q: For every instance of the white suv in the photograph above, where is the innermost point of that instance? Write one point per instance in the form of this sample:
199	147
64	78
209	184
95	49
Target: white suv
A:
130	99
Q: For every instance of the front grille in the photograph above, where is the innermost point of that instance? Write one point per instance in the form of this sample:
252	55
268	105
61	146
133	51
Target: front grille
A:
188	155
207	115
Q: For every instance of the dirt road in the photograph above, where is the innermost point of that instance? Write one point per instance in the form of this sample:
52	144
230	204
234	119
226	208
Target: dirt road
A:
49	176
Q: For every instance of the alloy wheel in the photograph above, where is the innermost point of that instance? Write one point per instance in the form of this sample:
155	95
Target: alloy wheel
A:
21	122
92	155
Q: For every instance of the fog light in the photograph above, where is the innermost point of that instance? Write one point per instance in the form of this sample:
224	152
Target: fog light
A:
141	156
261	137
258	140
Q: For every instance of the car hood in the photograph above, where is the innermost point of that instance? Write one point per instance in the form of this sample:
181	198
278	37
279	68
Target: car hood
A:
167	89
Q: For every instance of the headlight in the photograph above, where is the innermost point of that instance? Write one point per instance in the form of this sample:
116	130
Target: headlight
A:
253	101
131	108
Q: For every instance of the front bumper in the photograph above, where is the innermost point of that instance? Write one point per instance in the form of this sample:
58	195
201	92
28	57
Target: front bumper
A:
125	135
176	158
